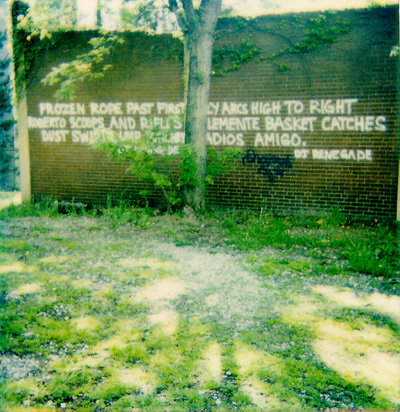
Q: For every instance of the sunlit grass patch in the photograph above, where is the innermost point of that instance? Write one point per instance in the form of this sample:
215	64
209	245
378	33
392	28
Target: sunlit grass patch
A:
114	343
26	289
82	283
54	259
137	378
356	349
255	367
387	305
360	355
60	279
160	291
14	394
266	397
303	311
89	360
356	341
87	323
166	321
130	327
210	364
105	292
166	359
10	198
55	262
362	352
17	267
250	359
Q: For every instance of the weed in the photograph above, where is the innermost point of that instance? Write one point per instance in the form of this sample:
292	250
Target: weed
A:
372	251
46	207
377	254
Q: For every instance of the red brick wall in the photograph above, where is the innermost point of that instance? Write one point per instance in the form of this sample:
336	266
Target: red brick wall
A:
335	110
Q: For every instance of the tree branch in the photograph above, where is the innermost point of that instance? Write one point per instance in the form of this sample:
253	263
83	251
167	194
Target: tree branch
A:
190	12
182	21
209	11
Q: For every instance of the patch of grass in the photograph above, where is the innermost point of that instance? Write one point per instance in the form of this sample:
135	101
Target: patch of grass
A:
316	386
359	317
371	250
68	299
376	254
120	213
45	208
276	267
17	246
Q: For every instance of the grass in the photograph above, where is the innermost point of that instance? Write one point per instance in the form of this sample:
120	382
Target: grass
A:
371	249
112	310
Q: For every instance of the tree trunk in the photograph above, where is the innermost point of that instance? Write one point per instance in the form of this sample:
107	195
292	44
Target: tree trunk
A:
198	56
198	27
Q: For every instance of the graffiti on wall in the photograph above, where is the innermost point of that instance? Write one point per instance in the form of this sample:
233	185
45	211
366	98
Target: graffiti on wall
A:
287	124
269	165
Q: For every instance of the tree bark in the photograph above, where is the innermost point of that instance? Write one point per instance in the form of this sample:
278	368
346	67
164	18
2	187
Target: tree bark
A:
198	28
198	52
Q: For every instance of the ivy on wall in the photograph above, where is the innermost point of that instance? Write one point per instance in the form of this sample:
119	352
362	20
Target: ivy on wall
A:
307	35
237	56
87	66
318	31
28	43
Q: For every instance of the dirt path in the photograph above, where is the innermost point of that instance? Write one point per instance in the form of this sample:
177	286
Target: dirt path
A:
217	285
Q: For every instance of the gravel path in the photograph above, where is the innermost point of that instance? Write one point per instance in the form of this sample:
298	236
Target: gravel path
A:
218	285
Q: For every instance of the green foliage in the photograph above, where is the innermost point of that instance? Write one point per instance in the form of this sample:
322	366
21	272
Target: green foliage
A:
147	15
29	41
377	255
164	160
220	161
174	52
318	388
395	51
55	14
231	57
33	35
311	34
88	66
46	207
115	214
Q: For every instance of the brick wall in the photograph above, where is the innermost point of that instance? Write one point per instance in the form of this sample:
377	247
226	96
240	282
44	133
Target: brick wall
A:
317	129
